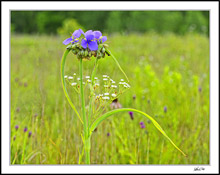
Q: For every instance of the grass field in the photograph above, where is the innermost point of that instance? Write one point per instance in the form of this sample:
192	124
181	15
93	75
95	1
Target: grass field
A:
165	71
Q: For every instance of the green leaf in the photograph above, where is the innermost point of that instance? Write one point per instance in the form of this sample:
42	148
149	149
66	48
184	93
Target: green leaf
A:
108	114
64	83
108	51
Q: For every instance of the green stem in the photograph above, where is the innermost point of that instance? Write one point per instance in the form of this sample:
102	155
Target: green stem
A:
86	136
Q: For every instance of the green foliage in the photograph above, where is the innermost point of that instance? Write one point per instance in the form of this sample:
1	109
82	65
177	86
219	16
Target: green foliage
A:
69	25
49	22
164	70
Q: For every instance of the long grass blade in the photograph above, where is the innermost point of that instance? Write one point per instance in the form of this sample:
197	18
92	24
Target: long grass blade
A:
64	84
109	52
108	114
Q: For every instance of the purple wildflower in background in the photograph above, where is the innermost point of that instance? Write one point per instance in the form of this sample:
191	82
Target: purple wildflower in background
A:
74	38
29	134
165	109
25	129
108	134
131	115
14	138
16	127
142	125
89	41
200	89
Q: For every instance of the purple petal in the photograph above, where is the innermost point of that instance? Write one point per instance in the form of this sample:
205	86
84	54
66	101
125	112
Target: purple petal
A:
90	37
93	45
81	31
104	38
77	33
67	41
84	43
89	32
97	34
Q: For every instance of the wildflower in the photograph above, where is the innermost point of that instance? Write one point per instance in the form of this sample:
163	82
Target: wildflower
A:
134	97
200	89
113	86
122	79
108	134
105	76
131	115
89	41
29	134
114	95
165	109
78	79
142	125
14	138
16	127
74	74
65	76
105	98
70	77
25	129
74	38
106	93
89	81
74	84
115	104
96	78
105	79
105	86
87	77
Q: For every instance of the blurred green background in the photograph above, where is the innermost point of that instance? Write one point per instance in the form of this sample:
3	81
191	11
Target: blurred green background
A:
48	22
166	57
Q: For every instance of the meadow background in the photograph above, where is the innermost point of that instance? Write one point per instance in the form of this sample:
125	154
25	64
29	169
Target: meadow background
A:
166	57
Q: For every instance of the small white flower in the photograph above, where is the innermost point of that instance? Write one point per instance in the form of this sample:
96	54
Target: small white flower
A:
96	78
114	95
105	76
87	77
120	83
78	79
122	79
89	81
113	82
101	95
105	79
65	76
105	98
113	86
125	86
70	77
74	84
96	84
105	86
84	83
106	93
74	74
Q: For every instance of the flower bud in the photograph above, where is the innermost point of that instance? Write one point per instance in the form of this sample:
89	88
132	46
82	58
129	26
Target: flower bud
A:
86	53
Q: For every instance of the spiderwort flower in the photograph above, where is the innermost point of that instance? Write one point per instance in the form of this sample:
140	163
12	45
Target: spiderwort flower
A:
131	115
74	38
99	37
89	41
200	89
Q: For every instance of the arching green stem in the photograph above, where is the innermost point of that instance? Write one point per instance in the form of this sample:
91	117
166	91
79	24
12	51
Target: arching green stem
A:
108	114
64	84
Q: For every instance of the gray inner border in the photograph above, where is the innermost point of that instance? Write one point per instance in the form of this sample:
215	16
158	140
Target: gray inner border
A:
194	165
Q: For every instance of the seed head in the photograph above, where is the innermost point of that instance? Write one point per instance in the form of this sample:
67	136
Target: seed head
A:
131	115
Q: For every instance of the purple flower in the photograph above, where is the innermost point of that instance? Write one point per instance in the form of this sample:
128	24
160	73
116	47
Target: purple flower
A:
200	89
29	134
16	127
89	41
108	134
74	38
131	115
99	37
165	109
142	125
25	129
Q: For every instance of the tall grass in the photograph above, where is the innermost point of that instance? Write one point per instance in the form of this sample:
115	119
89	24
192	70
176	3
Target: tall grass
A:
164	70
